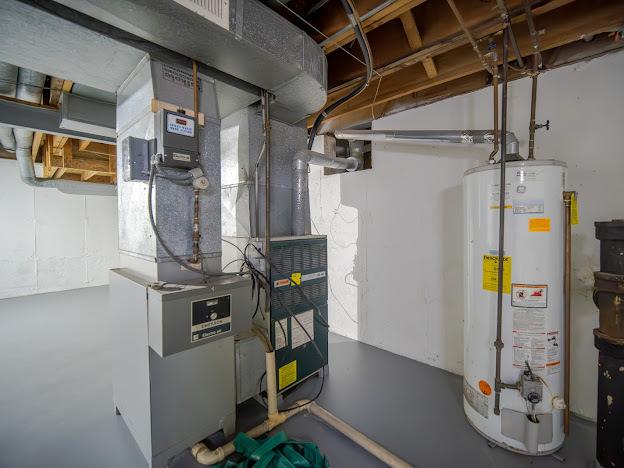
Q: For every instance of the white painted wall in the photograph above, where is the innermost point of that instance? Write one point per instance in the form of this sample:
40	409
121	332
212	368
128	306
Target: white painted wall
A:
50	241
395	232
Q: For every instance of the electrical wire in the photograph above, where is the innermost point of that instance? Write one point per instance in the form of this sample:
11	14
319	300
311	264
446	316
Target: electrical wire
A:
368	59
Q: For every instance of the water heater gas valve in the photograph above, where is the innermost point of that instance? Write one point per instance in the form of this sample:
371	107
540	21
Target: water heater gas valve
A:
531	387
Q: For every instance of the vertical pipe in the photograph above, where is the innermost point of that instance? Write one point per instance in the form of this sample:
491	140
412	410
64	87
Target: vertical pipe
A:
532	122
266	120
196	257
495	92
271	384
567	268
498	344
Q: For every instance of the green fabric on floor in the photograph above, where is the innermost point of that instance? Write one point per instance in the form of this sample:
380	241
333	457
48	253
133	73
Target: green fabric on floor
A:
275	451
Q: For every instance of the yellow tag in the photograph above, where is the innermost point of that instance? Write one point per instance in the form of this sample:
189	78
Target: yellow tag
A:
295	278
539	224
574	209
287	374
490	273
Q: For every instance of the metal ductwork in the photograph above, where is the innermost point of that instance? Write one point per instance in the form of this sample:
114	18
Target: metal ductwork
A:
300	198
29	89
8	87
466	137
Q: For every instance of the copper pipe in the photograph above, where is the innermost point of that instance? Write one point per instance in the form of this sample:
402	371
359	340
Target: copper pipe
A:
534	36
468	34
532	121
567	273
512	37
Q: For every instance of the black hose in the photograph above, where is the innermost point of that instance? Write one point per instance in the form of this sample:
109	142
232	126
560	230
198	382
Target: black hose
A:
368	60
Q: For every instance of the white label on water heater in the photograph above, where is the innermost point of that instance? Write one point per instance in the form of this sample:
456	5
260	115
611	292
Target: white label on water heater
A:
534	296
531	348
553	353
476	399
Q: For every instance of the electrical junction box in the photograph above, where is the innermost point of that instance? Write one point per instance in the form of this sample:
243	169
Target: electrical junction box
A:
299	289
176	140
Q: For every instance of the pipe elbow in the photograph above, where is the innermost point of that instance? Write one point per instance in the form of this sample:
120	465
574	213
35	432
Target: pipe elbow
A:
205	456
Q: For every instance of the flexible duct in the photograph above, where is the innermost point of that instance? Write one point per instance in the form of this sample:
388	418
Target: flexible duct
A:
467	137
8	87
300	202
29	88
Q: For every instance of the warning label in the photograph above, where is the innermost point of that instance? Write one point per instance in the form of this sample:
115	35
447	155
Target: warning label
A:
490	273
529	320
529	295
281	333
302	327
553	353
539	224
494	192
287	374
531	348
476	399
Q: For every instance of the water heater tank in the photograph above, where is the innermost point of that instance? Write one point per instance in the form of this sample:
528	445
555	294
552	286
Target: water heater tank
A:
533	312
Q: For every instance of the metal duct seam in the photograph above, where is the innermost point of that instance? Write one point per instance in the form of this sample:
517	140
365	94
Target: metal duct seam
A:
8	87
300	199
29	88
429	136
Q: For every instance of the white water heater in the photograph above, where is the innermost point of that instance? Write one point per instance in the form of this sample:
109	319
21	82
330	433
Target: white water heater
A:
531	412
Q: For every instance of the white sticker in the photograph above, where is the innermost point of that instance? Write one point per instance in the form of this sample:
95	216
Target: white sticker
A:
529	295
553	353
181	157
531	348
299	335
529	320
180	125
494	191
476	399
281	333
528	193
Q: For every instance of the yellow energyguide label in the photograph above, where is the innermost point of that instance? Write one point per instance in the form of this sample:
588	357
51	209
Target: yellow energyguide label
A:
574	217
490	273
295	278
539	224
287	374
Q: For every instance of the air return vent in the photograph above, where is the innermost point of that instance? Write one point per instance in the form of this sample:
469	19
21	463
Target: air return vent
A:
217	11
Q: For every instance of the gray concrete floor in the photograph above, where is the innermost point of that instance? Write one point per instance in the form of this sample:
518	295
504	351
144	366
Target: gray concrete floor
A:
56	408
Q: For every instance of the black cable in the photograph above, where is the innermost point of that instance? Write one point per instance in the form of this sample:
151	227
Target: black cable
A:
366	52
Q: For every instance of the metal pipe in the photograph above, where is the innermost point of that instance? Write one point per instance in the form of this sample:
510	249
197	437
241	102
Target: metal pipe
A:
348	27
512	37
533	34
498	344
29	88
300	200
475	46
8	88
430	136
495	112
567	291
266	120
196	257
257	193
532	121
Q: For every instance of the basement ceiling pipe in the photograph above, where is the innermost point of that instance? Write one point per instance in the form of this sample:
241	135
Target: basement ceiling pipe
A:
300	203
467	137
8	87
29	88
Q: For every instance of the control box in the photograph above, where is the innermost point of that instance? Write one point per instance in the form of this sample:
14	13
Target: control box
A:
176	142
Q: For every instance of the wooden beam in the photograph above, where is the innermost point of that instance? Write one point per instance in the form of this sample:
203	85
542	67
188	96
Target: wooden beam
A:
559	27
47	156
67	86
37	141
415	41
394	10
554	58
86	175
452	38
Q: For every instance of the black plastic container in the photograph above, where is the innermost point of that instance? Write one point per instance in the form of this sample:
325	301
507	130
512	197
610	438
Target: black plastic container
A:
611	236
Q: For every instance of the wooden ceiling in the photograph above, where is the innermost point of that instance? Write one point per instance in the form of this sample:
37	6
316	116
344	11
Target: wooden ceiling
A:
421	54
